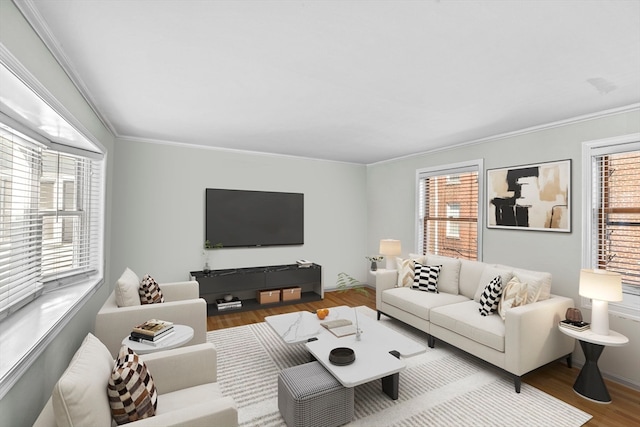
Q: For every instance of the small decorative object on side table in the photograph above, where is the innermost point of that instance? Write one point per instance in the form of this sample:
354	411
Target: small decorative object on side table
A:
589	383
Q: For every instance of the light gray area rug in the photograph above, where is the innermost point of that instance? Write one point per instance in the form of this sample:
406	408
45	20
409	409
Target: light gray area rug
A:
442	387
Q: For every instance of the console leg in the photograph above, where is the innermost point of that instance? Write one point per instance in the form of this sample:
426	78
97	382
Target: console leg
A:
391	383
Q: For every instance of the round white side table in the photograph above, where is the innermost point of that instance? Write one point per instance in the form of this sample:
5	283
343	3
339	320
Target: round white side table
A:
181	334
589	383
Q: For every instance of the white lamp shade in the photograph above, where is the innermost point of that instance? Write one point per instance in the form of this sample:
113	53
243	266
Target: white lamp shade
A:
600	285
390	247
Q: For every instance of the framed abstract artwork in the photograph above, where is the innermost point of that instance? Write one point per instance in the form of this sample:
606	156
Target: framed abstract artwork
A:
530	197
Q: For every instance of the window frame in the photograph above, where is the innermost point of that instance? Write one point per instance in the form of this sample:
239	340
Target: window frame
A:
629	307
451	169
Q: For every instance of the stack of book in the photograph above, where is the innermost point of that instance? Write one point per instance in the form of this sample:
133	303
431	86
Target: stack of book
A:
576	326
152	331
232	304
340	327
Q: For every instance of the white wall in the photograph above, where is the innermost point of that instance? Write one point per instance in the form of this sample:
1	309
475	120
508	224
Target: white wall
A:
391	203
158	210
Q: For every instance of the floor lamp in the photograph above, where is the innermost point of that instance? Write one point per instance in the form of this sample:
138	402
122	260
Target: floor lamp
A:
601	286
390	248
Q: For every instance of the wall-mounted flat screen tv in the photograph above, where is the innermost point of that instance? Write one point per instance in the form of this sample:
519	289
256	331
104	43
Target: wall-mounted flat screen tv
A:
241	218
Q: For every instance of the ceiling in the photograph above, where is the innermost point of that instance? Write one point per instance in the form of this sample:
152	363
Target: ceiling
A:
354	81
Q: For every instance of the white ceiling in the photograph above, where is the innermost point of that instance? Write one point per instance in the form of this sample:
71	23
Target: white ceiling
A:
356	81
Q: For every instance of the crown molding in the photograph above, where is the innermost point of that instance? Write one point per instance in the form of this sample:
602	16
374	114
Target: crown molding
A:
39	25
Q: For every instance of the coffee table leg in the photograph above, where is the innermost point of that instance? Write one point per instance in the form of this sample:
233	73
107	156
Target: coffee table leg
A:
391	383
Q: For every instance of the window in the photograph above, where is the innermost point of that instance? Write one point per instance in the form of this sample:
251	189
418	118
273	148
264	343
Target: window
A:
50	223
453	227
612	206
449	220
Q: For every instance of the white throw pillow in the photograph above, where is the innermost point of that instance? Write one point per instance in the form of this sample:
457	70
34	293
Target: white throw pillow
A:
406	269
79	397
449	278
513	295
539	279
488	274
127	289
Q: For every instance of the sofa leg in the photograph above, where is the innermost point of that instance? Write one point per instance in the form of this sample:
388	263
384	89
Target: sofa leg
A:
379	313
517	381
431	341
569	360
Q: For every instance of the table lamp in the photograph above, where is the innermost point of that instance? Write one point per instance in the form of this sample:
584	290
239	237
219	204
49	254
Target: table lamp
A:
601	286
390	248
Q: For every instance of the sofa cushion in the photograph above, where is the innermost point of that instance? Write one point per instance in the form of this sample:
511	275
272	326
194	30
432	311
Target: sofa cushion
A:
406	268
127	289
79	397
418	303
426	277
449	278
488	274
463	318
490	297
149	290
131	390
539	283
470	272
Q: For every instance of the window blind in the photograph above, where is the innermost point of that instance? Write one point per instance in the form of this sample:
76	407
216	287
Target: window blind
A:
449	212
21	225
617	214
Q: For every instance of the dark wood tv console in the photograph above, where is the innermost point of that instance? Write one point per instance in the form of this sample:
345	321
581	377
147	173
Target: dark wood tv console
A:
245	283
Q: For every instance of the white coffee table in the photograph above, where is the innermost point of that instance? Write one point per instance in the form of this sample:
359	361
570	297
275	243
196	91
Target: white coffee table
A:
181	335
378	351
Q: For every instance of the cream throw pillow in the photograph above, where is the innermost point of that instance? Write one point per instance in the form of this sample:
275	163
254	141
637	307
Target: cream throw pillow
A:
79	397
515	294
127	289
406	269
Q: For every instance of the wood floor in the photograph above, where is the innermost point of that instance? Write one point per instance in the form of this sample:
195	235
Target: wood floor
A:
555	379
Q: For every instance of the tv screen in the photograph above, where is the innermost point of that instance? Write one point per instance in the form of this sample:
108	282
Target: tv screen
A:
241	218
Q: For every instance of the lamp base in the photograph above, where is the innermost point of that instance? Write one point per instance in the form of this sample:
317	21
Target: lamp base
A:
391	263
599	317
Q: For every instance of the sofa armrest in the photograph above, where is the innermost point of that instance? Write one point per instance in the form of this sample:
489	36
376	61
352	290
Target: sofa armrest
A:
183	367
114	323
221	412
179	291
385	279
532	337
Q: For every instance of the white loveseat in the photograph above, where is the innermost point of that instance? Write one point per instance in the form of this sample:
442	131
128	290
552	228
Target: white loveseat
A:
527	337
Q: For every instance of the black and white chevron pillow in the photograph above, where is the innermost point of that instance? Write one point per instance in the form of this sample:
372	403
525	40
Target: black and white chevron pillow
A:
491	296
426	277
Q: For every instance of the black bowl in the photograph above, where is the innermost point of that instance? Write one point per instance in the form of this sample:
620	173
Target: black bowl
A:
342	356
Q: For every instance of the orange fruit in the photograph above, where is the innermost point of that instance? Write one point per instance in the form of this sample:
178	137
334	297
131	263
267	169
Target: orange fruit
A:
322	313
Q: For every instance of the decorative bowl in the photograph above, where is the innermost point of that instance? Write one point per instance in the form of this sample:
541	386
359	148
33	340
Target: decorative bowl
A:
342	356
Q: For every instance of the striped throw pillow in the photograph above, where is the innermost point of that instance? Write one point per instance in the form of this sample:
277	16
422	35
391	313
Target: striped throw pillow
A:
132	393
490	297
149	290
426	277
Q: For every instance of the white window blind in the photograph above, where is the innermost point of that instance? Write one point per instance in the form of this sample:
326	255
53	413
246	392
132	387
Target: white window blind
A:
448	211
21	227
51	222
616	211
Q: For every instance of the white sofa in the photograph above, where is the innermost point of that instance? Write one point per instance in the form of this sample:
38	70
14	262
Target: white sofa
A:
185	379
526	339
182	305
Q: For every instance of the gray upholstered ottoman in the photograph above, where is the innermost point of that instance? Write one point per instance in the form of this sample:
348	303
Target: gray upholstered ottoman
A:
308	395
